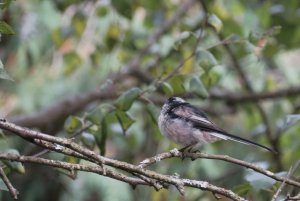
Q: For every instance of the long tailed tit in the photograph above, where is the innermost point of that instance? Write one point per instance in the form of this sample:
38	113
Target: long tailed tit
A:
187	125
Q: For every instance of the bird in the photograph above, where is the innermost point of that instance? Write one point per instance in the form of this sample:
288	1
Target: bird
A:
189	126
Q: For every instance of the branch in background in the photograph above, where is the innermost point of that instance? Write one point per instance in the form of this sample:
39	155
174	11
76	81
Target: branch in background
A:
101	162
51	119
233	98
14	193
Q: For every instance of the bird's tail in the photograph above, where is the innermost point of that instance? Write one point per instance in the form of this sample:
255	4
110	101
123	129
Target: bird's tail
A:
245	141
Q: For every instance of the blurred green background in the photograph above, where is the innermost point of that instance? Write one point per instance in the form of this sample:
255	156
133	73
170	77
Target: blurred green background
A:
64	49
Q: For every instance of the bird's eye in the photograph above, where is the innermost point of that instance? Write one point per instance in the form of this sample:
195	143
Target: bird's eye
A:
172	99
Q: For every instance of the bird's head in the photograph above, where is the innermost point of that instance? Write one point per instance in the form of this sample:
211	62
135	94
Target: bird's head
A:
171	102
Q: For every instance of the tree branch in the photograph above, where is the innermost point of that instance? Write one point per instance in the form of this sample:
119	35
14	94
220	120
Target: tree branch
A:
14	193
100	161
281	186
196	155
233	98
52	118
71	167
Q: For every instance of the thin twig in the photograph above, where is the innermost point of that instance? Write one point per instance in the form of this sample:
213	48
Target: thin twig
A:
292	173
52	147
290	198
71	167
14	192
151	182
282	185
196	155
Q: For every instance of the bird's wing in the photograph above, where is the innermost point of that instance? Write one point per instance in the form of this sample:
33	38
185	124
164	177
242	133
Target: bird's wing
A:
201	122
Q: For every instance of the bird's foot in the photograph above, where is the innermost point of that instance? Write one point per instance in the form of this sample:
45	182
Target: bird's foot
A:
184	149
187	150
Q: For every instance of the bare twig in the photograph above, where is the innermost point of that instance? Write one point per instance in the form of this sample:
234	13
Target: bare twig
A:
51	146
291	174
14	193
151	182
71	167
290	198
57	148
176	153
63	142
282	185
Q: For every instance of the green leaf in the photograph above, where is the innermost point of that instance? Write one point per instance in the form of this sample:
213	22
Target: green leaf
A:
167	89
88	140
258	180
125	120
71	62
166	45
97	116
177	83
113	35
5	4
153	111
290	120
3	73
183	36
127	98
125	7
14	165
57	37
3	186
242	189
215	22
211	78
5	28
254	37
71	159
100	133
102	11
100	136
79	23
206	60
197	87
72	124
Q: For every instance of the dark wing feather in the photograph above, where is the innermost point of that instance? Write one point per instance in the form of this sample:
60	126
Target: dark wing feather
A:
200	121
